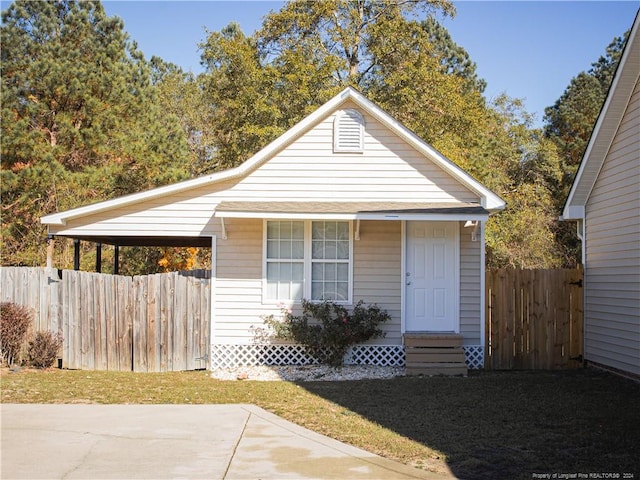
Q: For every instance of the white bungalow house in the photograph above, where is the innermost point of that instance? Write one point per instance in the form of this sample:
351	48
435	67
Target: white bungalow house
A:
605	201
347	205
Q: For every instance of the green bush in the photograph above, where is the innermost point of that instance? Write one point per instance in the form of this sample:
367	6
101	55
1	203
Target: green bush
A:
328	329
14	325
43	349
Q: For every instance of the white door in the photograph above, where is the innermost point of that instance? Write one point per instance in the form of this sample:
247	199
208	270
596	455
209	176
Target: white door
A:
432	277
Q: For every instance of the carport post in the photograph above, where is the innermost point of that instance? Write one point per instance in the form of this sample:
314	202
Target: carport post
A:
116	261
99	257
50	246
76	254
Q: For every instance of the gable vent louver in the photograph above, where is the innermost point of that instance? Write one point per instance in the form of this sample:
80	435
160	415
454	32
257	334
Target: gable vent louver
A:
348	132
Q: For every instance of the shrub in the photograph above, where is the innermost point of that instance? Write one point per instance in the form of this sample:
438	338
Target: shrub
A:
328	329
43	349
14	324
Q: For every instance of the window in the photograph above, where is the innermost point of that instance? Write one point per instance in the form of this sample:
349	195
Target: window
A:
330	261
285	260
348	132
308	259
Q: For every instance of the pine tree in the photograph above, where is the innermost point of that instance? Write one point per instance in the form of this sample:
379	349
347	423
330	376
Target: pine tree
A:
80	118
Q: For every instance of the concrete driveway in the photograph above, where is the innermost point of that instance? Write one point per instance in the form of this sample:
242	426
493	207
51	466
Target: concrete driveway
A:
176	441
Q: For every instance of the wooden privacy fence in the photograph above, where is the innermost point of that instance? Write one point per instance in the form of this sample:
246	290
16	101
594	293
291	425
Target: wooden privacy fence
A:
151	323
157	323
534	319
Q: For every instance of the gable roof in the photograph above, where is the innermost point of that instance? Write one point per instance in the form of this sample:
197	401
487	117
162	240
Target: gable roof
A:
607	125
490	201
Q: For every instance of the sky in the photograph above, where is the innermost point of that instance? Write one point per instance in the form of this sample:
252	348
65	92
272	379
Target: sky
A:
527	49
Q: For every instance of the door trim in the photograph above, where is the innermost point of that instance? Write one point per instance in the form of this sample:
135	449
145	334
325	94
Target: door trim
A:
403	275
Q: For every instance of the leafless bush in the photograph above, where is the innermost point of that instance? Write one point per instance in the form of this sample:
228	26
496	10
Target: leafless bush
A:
43	349
14	325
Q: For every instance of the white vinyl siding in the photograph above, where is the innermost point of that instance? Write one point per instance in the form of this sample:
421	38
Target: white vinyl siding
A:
377	274
238	285
307	170
239	308
377	261
389	170
470	295
612	265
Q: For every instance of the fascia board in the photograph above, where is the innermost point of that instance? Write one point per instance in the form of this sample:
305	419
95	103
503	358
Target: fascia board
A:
355	216
573	212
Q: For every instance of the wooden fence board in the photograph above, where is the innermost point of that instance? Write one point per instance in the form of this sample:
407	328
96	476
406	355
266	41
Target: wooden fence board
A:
178	346
191	332
110	288
150	322
166	325
533	319
66	355
124	323
140	295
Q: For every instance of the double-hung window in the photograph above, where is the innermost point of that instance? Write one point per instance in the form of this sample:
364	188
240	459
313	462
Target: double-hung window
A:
308	259
285	260
330	247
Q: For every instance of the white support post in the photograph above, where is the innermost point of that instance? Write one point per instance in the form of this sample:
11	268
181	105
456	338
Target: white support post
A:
483	299
224	229
212	286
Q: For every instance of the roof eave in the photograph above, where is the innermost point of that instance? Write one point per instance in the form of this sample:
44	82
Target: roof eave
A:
585	179
490	200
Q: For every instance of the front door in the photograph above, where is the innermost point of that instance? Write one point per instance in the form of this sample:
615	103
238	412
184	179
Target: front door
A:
432	277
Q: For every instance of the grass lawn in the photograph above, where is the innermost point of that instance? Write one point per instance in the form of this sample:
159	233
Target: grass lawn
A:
490	425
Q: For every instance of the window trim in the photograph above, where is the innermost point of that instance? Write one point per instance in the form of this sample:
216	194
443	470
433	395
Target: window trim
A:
307	261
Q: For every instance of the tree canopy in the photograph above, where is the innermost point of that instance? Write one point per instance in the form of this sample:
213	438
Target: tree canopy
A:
80	118
86	117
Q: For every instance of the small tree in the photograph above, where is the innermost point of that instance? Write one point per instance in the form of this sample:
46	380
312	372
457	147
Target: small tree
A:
14	324
328	329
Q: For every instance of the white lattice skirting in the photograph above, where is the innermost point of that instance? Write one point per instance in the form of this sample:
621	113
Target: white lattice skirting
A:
231	356
474	356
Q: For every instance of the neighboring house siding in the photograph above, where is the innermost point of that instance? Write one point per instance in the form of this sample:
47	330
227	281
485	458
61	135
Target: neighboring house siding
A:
612	271
470	272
